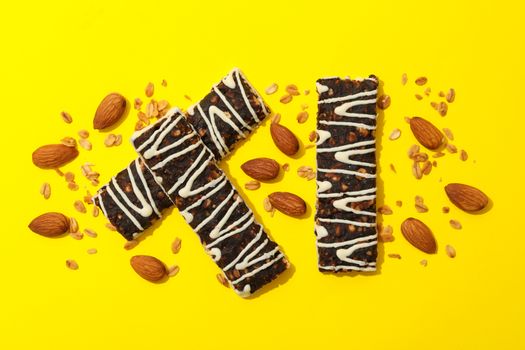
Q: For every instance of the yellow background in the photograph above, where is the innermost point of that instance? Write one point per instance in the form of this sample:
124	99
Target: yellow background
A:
67	55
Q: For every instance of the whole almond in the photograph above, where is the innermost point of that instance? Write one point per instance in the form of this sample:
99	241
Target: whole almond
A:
288	203
50	224
426	133
110	110
262	169
284	139
53	156
149	267
419	235
466	197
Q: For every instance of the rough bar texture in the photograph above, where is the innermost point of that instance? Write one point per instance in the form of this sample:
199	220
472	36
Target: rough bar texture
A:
227	114
132	200
346	174
209	203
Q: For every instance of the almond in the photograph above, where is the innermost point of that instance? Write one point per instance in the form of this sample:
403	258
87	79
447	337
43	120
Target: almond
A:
53	156
419	235
50	224
288	203
149	267
262	169
466	197
426	133
284	139
110	110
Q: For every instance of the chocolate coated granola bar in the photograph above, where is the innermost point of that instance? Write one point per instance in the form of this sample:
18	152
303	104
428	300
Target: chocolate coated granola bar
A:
346	174
209	203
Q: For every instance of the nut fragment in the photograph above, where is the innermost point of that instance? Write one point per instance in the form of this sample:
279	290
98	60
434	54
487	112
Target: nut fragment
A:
451	252
173	270
394	135
66	117
420	205
385	210
426	168
385	234
45	190
393	168
421	81
383	102
404	79
419	97
80	207
76	235
399	203
312	137
416	170
292	90
276	118
164	83
111	227
455	224
131	244
138	104
414	149
84	134
448	133
176	245
71	264
252	185
222	280
91	233
286	167
304	170
92	251
85	144
69	142
463	155
73	225
271	89
442	109
451	148
267	205
150	89
302	117
424	262
95	211
286	99
451	95
445	210
394	256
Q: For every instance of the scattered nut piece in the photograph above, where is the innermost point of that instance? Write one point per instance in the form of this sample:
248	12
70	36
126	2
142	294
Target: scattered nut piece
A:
110	140
222	280
420	205
394	256
45	190
451	95
176	245
434	105
164	83
286	99
276	119
138	104
131	244
442	109
441	94
84	134
80	207
385	210
76	235
286	167
149	90
451	148
421	81
426	168
304	106
416	171
424	262
73	225
71	264
292	90
451	252
302	117
455	224
95	211
110	227
267	205
414	149
92	251
394	135
304	170
173	270
69	142
66	117
427	91
383	102
312	137
445	210
404	79
393	168
463	155
407	119
438	154
252	185
399	203
448	133
85	144
187	97
307	92
419	97
272	89
385	234
91	233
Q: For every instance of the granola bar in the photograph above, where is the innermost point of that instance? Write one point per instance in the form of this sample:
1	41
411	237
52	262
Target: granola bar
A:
227	114
132	200
227	228
346	174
